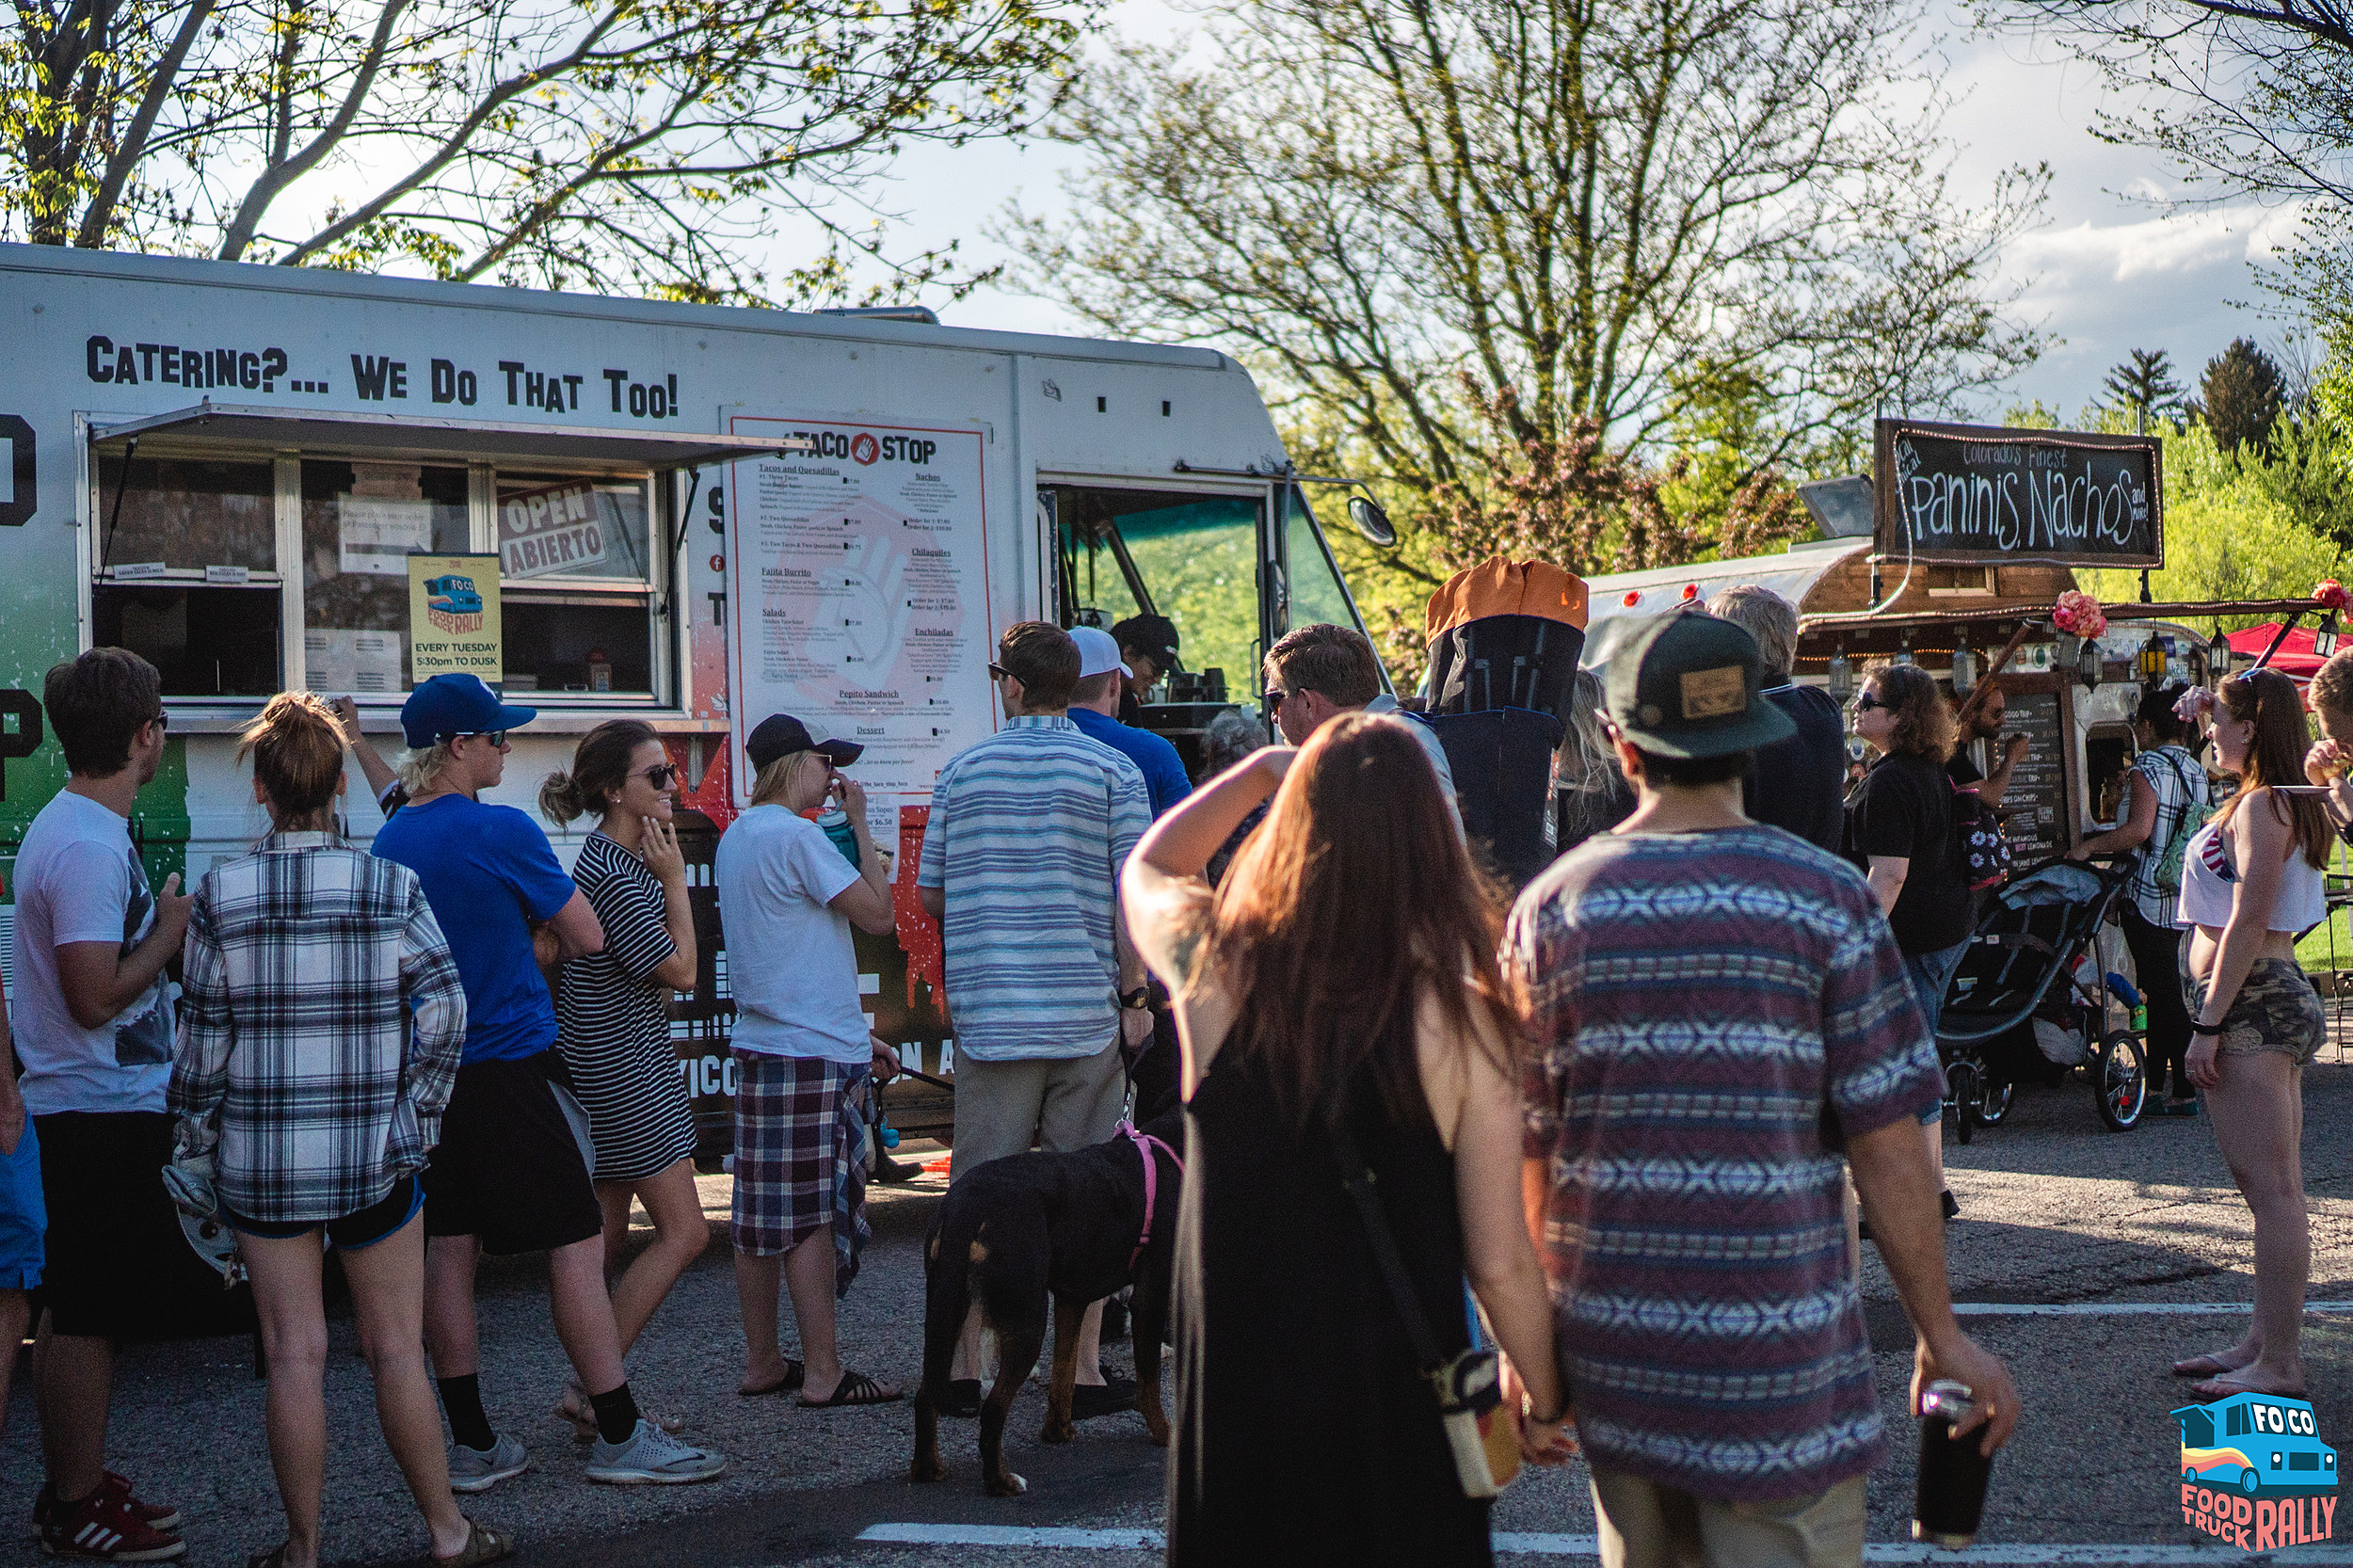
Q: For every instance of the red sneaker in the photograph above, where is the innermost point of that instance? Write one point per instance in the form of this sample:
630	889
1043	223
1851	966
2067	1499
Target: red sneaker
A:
162	1516
103	1527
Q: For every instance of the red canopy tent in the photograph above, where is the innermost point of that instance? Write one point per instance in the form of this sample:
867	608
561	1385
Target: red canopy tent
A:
2296	658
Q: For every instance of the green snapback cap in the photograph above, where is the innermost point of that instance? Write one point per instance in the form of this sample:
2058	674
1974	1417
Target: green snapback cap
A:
1686	685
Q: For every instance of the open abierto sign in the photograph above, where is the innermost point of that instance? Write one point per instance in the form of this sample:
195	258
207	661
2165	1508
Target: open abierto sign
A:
557	528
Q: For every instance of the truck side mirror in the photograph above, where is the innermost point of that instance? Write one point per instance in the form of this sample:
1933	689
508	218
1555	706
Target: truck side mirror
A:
1366	516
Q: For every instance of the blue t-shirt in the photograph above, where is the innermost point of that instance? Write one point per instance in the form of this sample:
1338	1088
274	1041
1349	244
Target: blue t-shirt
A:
1163	770
487	870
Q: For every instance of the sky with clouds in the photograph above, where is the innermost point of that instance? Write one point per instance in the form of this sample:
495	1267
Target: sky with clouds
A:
2106	270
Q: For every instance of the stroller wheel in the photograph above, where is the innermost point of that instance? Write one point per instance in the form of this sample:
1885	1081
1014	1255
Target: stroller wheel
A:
1994	1104
2120	1079
1964	1097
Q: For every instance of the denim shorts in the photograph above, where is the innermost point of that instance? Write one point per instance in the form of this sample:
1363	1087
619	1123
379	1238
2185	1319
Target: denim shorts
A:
1932	976
363	1228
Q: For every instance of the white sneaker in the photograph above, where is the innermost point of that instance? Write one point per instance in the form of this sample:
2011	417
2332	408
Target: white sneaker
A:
480	1469
653	1457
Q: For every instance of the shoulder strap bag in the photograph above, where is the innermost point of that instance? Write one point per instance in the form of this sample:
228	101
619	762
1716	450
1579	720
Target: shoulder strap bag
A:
1469	1385
2166	873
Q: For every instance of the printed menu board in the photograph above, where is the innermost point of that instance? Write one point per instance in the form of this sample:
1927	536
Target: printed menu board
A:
860	595
2038	786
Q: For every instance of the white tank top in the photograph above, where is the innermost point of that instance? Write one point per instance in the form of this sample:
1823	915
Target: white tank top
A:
2209	880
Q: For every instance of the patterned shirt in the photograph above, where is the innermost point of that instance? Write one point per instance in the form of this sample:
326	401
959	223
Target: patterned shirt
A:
1028	832
298	1054
1708	1009
2176	781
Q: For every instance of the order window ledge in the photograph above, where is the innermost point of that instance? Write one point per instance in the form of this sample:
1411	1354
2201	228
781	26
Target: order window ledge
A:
196	717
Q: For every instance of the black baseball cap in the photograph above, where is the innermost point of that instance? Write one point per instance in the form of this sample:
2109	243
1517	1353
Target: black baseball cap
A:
1686	687
781	735
1154	636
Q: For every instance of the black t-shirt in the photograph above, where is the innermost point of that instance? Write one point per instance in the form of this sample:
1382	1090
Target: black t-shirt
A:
1904	808
1797	783
1960	770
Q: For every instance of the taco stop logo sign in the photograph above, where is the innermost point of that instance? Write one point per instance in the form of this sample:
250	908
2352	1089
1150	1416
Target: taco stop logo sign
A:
2255	1473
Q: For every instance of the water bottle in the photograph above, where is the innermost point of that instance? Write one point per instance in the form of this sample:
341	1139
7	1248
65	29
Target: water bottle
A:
836	821
1950	1496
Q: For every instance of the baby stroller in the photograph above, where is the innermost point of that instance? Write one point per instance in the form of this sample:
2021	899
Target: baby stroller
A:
2031	1001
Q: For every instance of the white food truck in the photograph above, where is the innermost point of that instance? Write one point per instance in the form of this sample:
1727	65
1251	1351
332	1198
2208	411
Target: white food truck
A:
263	477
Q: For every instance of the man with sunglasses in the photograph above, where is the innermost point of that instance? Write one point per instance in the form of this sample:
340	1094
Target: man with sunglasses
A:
510	1174
1317	673
94	1031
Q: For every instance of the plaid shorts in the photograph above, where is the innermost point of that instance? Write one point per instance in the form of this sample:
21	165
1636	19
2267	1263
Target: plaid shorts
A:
788	1126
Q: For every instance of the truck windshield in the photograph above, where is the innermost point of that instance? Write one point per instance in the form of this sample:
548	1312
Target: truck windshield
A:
1191	558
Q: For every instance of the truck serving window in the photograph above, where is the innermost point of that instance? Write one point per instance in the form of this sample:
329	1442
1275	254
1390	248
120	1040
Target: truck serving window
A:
577	591
185	569
1190	557
360	522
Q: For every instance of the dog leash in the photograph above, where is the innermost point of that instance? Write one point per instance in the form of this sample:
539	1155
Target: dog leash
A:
1145	1144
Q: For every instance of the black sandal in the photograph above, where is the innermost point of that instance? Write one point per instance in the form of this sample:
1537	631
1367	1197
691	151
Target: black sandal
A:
794	1375
854	1389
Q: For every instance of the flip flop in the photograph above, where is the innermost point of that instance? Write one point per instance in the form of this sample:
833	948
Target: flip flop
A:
854	1389
483	1544
2226	1387
794	1375
2202	1367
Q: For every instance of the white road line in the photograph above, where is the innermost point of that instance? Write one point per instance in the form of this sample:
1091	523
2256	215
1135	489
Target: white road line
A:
2127	1310
1528	1543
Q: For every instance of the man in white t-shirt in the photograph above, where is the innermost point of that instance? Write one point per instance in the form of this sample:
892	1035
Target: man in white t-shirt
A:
787	901
94	1031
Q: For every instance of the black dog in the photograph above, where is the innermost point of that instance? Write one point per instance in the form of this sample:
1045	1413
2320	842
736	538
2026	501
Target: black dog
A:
1072	1226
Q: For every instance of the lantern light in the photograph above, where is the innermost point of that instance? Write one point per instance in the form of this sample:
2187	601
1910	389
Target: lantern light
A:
2218	657
1964	667
2088	663
2325	638
2155	655
1841	684
1903	654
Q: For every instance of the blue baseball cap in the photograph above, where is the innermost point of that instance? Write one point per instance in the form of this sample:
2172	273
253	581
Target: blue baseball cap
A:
456	705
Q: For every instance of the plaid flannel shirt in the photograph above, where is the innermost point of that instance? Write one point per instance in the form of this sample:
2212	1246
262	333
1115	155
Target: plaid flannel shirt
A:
304	963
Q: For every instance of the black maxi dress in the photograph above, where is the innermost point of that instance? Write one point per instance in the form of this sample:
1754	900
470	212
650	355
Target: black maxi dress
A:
1304	1433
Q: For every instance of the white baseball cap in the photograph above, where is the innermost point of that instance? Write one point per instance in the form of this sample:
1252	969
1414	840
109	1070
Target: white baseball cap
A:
1098	651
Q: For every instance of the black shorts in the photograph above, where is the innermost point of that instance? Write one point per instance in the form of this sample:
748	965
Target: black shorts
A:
511	1168
115	1244
363	1227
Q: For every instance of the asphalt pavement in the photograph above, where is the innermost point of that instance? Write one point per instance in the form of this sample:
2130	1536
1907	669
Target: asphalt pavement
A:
2092	1260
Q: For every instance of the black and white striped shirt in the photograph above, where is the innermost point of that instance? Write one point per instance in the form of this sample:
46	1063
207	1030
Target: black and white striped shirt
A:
614	1020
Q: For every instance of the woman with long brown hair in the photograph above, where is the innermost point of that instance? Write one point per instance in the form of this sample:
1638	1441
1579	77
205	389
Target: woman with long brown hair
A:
2250	882
1337	990
1899	832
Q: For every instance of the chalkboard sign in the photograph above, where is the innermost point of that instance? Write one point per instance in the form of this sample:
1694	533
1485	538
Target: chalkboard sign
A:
2035	807
1972	492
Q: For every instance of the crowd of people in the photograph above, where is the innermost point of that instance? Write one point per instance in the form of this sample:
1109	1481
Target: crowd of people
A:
1615	1130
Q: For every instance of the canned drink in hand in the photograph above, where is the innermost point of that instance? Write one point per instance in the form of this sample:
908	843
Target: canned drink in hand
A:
1951	1497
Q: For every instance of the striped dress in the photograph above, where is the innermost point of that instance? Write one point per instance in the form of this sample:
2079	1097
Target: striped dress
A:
615	1022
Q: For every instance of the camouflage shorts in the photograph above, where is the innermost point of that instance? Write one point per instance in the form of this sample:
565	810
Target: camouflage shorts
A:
2276	1010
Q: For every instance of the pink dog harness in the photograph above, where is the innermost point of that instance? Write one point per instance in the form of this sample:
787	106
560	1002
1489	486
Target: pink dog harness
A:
1144	1144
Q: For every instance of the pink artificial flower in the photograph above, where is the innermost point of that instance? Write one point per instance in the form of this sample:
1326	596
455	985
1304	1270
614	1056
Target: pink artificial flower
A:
2331	595
2079	614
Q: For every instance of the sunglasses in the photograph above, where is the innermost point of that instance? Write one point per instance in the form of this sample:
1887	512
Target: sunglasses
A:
496	737
661	775
1276	696
161	721
1865	703
997	672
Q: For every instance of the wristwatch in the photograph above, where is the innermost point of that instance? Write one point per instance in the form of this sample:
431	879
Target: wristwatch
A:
1139	999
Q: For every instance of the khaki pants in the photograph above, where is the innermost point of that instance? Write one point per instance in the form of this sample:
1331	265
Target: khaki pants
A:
1647	1525
1064	1103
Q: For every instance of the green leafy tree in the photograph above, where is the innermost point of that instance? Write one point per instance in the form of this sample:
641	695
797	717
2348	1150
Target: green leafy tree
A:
637	146
2239	399
1365	199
